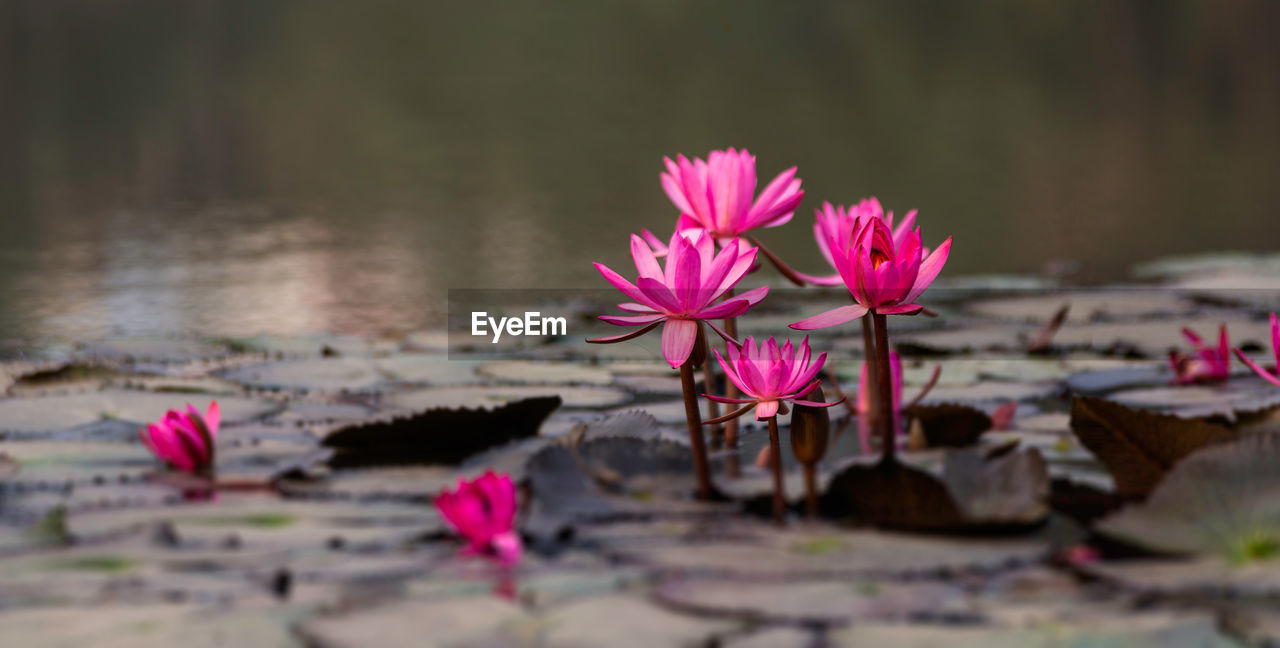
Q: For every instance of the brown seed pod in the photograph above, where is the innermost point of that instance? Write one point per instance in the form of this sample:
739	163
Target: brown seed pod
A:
810	430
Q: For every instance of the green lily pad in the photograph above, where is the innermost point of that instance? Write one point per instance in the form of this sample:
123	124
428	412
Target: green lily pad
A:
1219	501
544	373
67	410
573	397
1086	305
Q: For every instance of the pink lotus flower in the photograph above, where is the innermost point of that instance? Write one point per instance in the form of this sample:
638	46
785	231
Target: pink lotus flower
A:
1209	364
770	376
1273	378
885	272
716	195
683	293
834	223
483	511
184	440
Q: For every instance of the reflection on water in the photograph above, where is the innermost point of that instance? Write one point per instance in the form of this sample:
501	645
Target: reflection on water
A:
238	167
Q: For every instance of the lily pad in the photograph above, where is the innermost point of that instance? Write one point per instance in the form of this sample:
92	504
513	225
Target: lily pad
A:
1220	500
544	373
470	621
573	397
818	602
1227	400
64	411
1087	305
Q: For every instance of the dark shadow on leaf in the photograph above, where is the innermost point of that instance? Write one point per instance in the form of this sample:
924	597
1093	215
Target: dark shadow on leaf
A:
437	436
949	424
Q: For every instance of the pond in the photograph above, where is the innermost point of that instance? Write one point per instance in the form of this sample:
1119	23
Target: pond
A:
248	167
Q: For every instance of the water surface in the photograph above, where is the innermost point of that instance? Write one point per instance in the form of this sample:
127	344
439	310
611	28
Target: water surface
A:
243	167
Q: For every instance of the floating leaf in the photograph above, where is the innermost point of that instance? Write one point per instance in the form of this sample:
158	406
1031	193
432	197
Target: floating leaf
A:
1221	500
63	411
1138	447
1240	395
572	397
816	602
437	436
544	373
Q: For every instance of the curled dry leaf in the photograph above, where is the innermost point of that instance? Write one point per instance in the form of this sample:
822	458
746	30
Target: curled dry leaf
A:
949	424
976	490
437	436
1138	448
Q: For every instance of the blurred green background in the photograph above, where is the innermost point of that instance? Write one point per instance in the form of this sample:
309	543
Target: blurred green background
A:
258	166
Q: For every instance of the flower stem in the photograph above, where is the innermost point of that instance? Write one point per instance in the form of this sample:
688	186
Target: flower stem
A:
884	375
779	498
696	442
713	408
869	361
811	490
731	391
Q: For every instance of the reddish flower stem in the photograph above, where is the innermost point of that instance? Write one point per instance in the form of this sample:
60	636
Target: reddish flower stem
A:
811	490
885	378
708	384
779	498
731	391
694	417
869	360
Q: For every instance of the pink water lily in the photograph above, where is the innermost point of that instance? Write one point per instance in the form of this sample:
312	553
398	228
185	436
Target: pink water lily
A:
841	224
483	511
716	195
1272	376
185	440
770	375
1209	364
885	272
684	292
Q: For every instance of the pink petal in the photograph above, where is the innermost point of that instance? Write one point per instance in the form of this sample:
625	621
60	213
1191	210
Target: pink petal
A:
833	317
631	320
627	288
1275	380
728	308
900	309
766	409
646	263
929	270
655	292
678	337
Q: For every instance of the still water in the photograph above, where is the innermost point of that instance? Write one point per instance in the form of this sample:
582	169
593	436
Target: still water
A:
243	167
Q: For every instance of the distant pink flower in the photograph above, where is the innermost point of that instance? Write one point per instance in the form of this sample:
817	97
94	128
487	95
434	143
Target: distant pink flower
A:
883	270
683	293
483	511
841	224
1209	364
716	195
1269	376
769	375
184	440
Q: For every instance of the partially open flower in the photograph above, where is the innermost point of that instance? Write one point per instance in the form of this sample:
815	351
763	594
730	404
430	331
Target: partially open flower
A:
885	271
716	195
185	440
841	224
1209	364
769	376
483	511
1272	376
683	293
